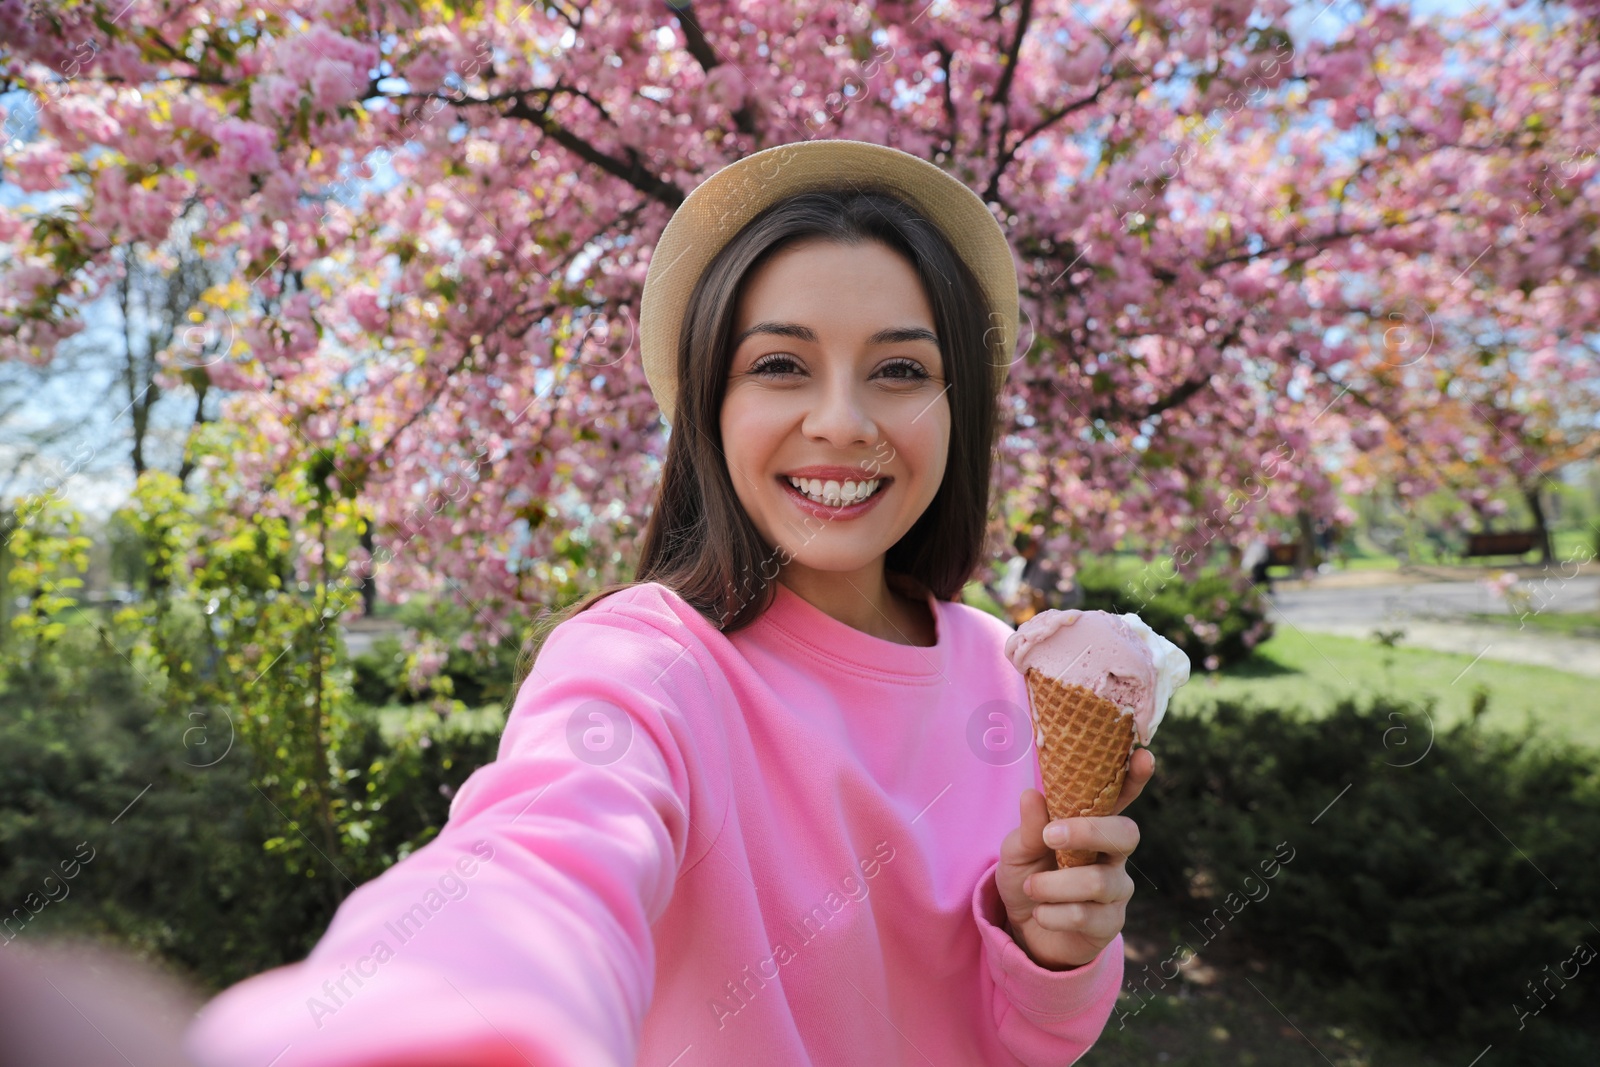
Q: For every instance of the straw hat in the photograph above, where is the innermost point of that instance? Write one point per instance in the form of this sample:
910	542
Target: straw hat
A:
720	206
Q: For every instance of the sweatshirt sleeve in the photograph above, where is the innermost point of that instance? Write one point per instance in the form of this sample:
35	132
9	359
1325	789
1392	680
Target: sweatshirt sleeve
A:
521	933
1045	1018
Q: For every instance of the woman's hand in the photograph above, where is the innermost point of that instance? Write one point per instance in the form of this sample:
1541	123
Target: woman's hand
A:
1063	918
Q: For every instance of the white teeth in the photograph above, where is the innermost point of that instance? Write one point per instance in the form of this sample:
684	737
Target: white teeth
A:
834	493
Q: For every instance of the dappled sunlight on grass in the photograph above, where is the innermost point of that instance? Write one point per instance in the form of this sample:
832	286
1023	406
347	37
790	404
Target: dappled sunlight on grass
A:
1313	671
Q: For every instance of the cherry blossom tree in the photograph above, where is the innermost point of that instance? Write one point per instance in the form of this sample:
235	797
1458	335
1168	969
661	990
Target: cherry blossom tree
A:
437	220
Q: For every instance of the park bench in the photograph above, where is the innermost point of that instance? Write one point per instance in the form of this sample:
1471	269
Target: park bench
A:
1283	555
1503	543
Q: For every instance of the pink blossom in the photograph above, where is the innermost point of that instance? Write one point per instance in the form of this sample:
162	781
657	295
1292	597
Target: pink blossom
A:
225	374
38	167
150	214
280	194
726	86
244	149
28	281
123	60
246	146
362	304
334	83
16	28
1082	64
12	225
1119	320
1501	583
273	99
76	121
1333	74
425	71
301	56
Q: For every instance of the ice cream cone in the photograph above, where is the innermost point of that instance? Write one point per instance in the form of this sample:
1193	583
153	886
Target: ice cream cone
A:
1084	743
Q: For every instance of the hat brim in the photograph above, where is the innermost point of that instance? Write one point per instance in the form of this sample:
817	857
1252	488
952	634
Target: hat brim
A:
722	204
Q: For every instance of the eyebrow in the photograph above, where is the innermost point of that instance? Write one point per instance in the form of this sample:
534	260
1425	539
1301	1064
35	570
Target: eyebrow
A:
888	336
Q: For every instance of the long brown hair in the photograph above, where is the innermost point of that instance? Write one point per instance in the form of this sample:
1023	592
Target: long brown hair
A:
699	541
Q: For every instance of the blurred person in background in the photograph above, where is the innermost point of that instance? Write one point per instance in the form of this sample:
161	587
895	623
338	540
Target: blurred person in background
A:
1030	584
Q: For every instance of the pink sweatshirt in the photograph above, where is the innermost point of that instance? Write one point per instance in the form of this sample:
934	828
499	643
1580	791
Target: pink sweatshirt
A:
777	847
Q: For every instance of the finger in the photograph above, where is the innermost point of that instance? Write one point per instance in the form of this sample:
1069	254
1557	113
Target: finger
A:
1116	835
1098	921
1141	768
1025	846
1103	883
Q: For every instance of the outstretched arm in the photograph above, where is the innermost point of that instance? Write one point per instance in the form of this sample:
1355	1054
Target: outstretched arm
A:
521	934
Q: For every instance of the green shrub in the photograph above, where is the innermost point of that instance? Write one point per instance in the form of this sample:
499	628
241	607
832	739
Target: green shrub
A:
95	770
378	675
1422	893
1216	618
207	733
404	776
181	868
383	674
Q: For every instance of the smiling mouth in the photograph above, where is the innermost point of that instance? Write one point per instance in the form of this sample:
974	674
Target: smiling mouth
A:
836	494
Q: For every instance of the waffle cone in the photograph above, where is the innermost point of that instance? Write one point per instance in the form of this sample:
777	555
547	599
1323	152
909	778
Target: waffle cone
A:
1083	758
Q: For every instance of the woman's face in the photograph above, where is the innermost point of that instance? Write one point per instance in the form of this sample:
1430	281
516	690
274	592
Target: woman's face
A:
813	384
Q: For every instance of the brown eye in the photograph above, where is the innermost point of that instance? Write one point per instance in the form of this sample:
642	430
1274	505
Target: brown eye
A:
913	371
766	364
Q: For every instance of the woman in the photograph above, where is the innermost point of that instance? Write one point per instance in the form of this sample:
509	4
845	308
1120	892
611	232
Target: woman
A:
762	804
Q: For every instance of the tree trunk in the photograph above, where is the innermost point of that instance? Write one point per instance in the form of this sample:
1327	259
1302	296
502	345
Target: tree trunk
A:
369	580
1530	493
9	521
1307	561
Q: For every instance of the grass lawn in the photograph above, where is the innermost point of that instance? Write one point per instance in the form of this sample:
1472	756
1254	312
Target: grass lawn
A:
1564	623
1575	544
1364	563
1313	671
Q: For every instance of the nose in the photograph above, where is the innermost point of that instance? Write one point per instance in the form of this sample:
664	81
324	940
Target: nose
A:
839	413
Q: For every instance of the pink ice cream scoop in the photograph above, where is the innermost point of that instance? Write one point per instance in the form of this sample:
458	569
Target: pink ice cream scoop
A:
1116	656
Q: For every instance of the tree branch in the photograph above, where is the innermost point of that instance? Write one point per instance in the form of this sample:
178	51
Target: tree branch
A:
630	169
706	54
992	190
1008	71
1002	93
1337	235
952	128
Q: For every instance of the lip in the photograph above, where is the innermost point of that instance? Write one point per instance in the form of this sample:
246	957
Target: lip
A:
823	511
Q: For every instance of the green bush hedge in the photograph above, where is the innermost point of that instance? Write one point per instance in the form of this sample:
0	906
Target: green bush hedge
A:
180	869
1432	876
483	676
1216	618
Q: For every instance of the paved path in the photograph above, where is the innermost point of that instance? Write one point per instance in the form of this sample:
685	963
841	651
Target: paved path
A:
1313	604
1437	614
361	634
